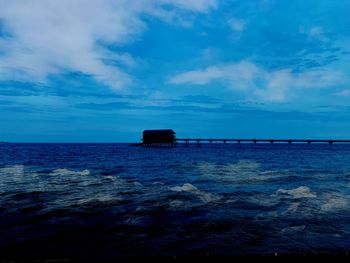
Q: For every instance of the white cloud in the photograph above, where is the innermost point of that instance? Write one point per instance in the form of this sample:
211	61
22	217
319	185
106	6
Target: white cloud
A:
241	73
237	24
318	78
45	37
315	33
343	93
273	85
277	84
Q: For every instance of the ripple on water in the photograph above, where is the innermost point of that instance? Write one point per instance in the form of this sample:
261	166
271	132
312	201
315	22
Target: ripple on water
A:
242	172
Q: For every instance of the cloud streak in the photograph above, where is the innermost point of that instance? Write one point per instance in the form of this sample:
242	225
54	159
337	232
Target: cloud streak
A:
268	85
48	37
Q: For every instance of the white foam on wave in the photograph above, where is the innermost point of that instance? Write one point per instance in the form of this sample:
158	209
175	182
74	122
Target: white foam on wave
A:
230	201
202	195
185	188
301	202
136	183
110	177
303	209
293	208
17	170
334	203
65	171
299	192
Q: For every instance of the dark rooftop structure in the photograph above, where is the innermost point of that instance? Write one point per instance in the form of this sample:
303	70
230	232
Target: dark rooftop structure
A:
152	137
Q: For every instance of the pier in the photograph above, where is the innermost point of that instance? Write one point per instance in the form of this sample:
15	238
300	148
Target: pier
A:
271	141
167	138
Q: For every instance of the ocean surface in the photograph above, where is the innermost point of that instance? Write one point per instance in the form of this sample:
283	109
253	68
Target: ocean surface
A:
101	201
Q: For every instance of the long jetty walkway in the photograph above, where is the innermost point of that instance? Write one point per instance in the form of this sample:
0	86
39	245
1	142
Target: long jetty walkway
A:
289	141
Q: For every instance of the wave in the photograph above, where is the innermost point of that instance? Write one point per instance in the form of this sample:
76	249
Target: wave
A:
293	229
65	171
176	203
334	203
242	166
202	195
300	192
242	171
293	208
158	183
301	202
110	177
99	198
17	170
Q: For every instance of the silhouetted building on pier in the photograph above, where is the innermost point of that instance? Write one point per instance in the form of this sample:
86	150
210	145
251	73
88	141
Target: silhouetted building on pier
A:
158	137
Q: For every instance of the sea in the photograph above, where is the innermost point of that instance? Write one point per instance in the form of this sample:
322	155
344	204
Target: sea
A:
104	201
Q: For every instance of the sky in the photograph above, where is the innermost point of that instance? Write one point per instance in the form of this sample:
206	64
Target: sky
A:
105	70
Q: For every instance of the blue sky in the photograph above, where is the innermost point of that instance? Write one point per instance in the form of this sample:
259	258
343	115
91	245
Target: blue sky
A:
104	70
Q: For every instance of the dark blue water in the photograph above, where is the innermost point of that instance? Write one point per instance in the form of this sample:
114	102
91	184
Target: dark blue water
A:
108	200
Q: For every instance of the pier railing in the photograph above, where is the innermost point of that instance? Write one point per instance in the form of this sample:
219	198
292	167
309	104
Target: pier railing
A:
289	141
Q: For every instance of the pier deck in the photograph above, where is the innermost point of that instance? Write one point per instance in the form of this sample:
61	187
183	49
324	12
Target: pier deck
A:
289	141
